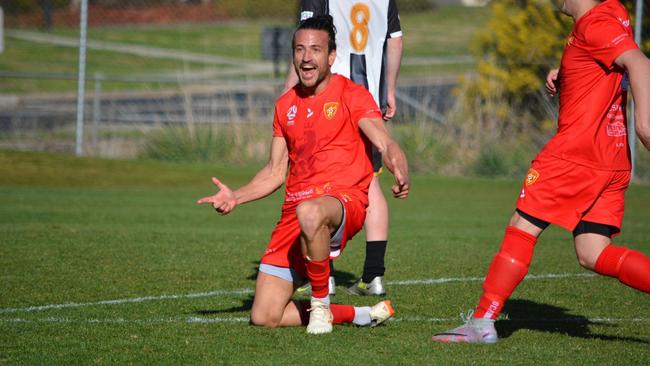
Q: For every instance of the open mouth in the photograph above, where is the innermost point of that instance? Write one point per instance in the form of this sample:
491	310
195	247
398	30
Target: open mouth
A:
307	70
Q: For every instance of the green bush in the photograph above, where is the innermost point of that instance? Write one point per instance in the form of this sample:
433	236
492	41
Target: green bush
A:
490	162
231	143
503	108
427	148
510	160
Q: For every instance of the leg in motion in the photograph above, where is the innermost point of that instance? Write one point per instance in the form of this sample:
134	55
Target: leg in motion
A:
508	269
595	252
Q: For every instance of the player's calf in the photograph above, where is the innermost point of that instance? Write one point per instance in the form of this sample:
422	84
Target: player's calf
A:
630	267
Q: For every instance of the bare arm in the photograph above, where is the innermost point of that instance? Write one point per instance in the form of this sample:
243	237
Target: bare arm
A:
391	153
265	182
292	79
393	62
638	68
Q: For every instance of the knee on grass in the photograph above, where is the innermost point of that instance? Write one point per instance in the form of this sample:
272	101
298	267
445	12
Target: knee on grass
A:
265	319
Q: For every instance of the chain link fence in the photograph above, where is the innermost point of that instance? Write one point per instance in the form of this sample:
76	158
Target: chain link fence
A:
177	70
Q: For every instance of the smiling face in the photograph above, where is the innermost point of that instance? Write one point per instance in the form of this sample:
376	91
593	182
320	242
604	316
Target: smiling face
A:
312	59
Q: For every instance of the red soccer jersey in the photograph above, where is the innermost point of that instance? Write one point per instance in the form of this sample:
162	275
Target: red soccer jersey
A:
592	126
327	152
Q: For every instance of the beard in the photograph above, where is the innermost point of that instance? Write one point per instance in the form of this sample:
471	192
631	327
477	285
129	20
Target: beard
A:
311	77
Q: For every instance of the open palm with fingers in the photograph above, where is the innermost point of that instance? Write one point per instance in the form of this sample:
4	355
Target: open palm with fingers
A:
223	201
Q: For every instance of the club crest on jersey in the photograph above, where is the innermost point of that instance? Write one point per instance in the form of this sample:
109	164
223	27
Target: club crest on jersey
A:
330	109
531	176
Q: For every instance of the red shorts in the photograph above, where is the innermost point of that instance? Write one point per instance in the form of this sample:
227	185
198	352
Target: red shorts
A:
565	193
284	247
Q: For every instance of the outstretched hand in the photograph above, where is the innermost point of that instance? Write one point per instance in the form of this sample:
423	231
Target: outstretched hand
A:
223	201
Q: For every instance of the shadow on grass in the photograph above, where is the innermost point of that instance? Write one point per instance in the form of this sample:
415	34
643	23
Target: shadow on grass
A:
342	278
525	314
246	305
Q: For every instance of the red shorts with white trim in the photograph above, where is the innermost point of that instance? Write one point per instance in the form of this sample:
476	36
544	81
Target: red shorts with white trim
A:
284	247
565	193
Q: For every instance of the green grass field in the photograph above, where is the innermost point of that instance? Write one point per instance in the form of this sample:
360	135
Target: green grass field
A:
112	262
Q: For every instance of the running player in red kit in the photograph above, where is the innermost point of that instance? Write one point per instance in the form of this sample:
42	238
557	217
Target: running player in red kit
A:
578	180
322	133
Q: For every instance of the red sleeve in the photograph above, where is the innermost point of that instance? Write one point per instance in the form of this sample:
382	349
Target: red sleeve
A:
277	126
607	39
361	103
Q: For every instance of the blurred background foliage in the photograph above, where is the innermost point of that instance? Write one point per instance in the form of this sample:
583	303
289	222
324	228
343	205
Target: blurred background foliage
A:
491	121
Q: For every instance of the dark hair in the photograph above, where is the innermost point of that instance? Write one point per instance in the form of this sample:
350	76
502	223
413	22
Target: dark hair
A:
321	22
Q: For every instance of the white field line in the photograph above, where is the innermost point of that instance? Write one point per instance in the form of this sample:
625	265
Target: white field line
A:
131	300
201	320
128	321
245	291
470	279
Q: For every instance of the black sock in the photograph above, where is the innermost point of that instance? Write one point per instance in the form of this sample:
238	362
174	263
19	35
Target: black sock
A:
331	268
374	264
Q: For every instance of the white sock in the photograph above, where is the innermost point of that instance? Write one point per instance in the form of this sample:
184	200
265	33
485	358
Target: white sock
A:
362	315
325	299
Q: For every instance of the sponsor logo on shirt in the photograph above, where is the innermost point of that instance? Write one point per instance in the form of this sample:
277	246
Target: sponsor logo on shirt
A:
615	129
616	124
291	115
308	192
330	109
309	112
300	195
531	177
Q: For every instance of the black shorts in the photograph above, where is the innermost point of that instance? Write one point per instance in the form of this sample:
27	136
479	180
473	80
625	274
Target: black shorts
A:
376	161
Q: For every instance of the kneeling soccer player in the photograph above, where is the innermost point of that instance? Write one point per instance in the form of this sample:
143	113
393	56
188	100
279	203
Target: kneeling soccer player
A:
322	132
578	180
